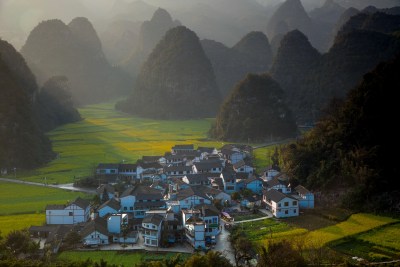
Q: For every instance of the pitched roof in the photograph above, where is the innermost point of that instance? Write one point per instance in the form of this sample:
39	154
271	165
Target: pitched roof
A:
191	146
99	224
147	159
127	166
112	203
275	195
55	207
242	175
150	205
302	190
191	191
239	164
142	192
108	166
82	203
276	181
218	182
151	165
198	177
206	165
174	168
203	149
109	188
155	219
252	179
207	210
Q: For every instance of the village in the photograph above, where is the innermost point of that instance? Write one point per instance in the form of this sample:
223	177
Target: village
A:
181	198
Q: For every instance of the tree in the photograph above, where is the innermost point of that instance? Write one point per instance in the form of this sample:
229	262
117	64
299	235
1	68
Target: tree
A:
275	160
243	249
72	239
212	258
17	242
280	254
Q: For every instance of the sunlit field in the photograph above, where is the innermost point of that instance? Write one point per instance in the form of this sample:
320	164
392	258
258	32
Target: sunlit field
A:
9	223
106	135
264	231
127	259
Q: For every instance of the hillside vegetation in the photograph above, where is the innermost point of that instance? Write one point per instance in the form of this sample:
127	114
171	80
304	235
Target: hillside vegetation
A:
349	151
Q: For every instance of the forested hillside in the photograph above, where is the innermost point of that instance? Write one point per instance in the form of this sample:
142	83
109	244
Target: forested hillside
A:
22	143
351	151
176	82
254	111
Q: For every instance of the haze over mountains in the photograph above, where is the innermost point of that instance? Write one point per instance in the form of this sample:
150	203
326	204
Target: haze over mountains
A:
186	59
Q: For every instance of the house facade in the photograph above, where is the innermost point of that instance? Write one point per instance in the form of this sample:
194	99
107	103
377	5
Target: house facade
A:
152	228
73	213
280	204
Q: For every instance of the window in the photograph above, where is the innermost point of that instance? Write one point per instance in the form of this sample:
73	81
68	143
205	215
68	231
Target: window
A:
70	213
201	200
130	208
280	189
286	204
294	203
294	211
279	210
154	242
214	220
286	212
153	226
125	208
112	171
279	205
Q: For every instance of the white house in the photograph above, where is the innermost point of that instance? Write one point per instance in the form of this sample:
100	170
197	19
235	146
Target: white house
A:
109	207
192	196
198	179
95	233
138	199
229	180
117	222
195	231
182	148
152	227
242	166
306	198
254	184
179	170
279	183
207	167
211	217
107	168
280	204
127	171
73	213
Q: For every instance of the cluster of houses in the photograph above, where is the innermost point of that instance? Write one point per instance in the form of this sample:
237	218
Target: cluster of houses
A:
172	198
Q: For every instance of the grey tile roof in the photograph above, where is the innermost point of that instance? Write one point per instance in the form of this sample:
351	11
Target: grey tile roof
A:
109	188
99	224
143	192
82	203
276	181
302	190
191	146
148	159
178	168
207	210
55	207
252	179
151	165
198	177
112	203
149	205
191	191
275	195
108	166
155	219
207	165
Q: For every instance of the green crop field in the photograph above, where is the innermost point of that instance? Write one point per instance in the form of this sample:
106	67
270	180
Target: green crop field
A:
355	224
126	259
106	135
260	231
388	236
20	198
21	221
